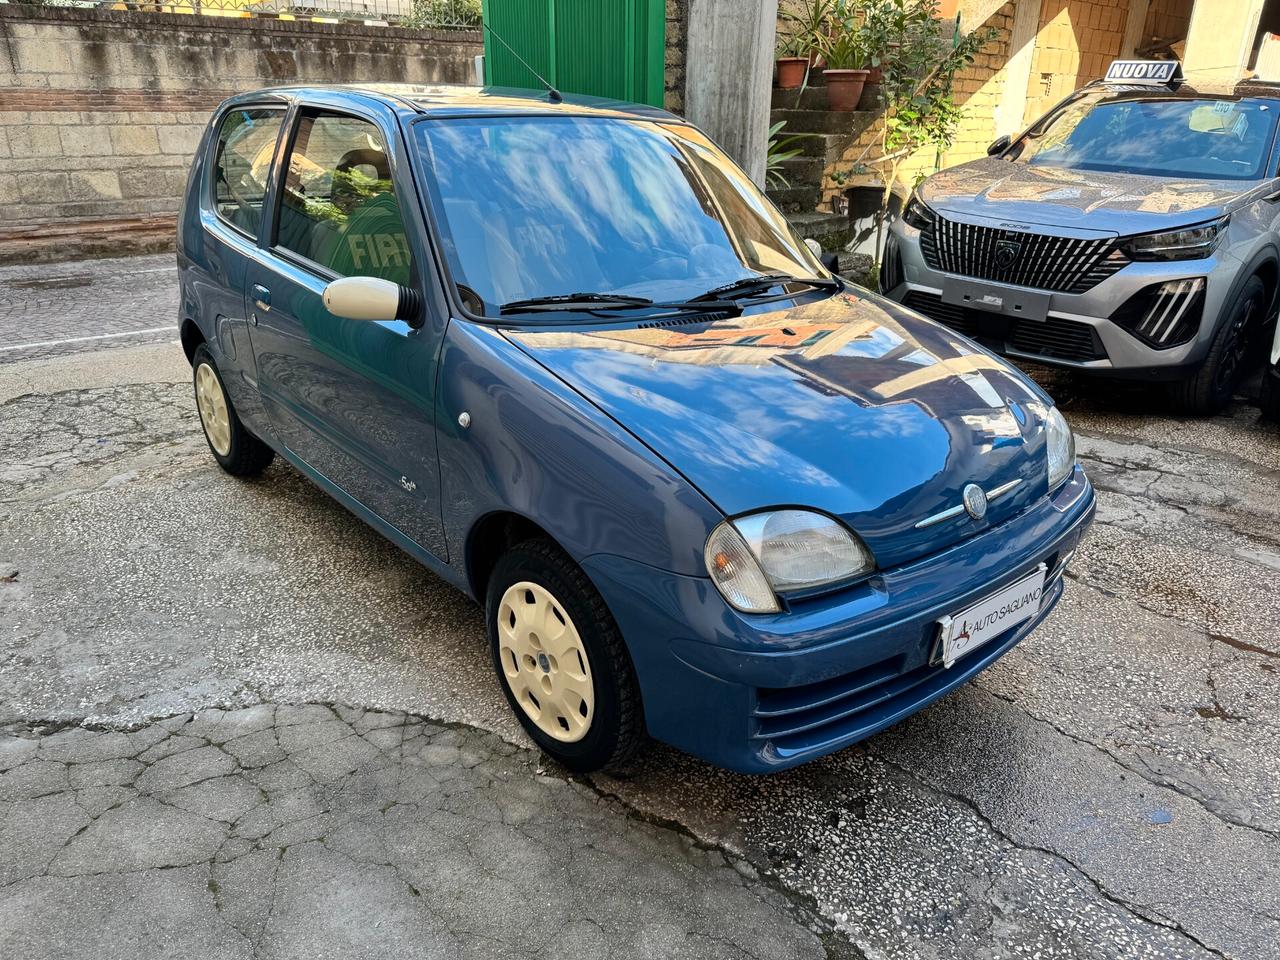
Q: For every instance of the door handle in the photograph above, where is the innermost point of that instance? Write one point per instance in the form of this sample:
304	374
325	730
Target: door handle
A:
261	297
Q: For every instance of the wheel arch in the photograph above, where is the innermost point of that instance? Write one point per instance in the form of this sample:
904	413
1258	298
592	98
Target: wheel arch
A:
489	538
191	336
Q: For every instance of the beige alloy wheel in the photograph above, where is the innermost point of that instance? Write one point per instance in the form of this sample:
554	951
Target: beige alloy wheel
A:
544	662
215	416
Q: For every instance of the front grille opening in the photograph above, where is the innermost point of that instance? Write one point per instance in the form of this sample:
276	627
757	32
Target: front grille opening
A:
1058	339
1165	314
1052	338
1041	261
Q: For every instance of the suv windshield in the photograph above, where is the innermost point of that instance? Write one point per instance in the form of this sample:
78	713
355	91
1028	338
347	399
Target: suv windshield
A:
1197	138
534	207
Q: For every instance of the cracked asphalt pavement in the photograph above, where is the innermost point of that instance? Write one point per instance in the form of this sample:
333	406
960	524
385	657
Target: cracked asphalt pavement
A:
240	723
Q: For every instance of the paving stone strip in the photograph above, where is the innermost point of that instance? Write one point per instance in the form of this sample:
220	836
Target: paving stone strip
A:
318	831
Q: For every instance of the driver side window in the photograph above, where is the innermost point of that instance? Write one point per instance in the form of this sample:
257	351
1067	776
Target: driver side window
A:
338	207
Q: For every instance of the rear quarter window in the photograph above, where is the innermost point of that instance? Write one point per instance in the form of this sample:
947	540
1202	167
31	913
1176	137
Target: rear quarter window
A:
242	164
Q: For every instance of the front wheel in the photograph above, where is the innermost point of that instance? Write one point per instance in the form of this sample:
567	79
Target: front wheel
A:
1210	388
561	660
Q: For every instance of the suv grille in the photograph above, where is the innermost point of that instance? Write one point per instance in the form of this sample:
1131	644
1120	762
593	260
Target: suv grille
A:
1053	338
1062	264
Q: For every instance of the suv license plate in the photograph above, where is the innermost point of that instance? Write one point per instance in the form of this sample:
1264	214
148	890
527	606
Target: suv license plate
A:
971	628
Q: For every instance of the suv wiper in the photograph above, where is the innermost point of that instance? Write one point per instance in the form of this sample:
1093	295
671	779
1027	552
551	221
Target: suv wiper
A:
763	282
608	301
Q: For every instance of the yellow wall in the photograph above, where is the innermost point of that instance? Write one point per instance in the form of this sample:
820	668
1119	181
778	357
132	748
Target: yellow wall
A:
1075	41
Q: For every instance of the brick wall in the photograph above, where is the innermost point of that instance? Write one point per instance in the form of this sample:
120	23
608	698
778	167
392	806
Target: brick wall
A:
1076	41
100	111
1167	20
977	90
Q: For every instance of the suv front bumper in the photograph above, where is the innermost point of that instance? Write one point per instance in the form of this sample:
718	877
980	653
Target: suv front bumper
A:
1078	331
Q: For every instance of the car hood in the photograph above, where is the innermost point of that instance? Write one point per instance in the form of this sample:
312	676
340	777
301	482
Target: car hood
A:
849	404
1108	203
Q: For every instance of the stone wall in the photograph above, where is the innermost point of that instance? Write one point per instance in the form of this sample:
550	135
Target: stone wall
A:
677	32
100	111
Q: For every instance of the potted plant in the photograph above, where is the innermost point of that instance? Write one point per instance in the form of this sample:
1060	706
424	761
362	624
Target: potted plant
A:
793	61
807	22
845	54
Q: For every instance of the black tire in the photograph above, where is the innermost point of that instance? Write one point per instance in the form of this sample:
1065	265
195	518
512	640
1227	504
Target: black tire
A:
245	455
1211	387
1269	399
616	732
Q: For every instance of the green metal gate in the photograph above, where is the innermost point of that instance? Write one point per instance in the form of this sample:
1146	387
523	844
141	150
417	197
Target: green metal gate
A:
606	48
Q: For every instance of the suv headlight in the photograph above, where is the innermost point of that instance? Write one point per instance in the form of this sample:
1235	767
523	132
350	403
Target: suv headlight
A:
753	559
1061	445
1189	243
917	214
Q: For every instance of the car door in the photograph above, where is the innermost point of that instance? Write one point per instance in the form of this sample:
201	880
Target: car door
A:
354	400
232	182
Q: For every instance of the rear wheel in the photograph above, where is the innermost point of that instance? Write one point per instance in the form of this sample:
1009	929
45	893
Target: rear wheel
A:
561	660
237	450
1210	388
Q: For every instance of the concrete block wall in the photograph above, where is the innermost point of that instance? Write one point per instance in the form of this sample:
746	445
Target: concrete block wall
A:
100	112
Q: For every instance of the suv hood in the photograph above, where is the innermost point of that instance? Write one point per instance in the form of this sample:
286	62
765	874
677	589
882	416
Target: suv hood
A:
850	405
1112	203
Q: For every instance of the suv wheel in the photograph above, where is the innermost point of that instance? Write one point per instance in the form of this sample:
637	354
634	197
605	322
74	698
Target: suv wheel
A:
561	660
1270	397
237	450
1210	388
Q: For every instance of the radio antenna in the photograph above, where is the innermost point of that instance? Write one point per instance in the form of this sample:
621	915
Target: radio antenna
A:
552	93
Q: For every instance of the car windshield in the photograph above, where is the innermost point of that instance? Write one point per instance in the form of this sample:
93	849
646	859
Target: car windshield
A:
1198	138
534	207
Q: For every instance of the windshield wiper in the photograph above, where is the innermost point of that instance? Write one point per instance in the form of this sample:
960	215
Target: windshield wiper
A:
590	302
762	282
568	301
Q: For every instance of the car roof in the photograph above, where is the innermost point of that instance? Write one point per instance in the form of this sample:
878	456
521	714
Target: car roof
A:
458	100
1194	88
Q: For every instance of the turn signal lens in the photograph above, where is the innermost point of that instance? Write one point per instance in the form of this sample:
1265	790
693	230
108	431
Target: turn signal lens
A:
1061	444
736	572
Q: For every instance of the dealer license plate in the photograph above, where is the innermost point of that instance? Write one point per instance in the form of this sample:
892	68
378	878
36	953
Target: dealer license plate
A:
971	628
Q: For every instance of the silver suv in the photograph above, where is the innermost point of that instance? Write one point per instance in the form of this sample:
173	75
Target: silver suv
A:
1132	232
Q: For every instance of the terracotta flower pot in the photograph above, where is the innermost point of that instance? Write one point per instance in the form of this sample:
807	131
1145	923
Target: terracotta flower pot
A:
791	71
844	88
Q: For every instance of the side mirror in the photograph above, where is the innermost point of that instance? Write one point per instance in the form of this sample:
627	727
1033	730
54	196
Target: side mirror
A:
371	298
999	145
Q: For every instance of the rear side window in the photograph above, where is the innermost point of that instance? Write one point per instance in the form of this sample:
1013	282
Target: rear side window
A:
338	207
242	167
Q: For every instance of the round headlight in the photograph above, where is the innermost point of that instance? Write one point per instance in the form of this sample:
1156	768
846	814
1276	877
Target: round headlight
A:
755	558
1061	445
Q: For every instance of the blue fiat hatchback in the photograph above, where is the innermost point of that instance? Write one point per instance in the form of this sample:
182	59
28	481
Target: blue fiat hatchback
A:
566	355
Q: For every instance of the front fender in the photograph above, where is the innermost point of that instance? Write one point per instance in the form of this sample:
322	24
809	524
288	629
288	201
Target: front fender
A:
537	448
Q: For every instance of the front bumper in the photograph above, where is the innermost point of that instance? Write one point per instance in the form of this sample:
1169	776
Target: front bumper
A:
1078	332
765	692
